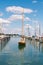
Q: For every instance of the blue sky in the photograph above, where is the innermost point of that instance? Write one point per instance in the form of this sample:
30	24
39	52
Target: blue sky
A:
11	15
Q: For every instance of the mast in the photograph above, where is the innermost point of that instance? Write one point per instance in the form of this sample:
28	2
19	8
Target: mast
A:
22	22
28	31
39	30
22	40
0	28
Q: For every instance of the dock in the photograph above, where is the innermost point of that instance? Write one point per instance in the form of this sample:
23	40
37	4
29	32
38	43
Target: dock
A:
3	41
4	37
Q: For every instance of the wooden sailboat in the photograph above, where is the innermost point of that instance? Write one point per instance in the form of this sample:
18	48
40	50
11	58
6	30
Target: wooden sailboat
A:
22	40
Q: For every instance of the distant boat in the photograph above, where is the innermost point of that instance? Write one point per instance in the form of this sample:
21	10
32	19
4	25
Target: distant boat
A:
1	33
41	40
37	38
22	40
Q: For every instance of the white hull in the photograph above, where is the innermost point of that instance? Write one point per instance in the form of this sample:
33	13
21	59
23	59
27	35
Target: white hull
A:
22	41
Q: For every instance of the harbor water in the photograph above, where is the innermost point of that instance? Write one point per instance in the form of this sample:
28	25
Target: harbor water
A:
11	53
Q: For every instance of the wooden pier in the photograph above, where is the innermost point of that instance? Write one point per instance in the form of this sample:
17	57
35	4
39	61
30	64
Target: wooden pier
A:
4	37
3	41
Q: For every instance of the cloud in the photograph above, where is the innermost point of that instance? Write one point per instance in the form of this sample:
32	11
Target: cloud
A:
27	19
4	21
16	30
11	30
18	17
14	17
34	1
18	9
1	14
28	26
36	22
3	29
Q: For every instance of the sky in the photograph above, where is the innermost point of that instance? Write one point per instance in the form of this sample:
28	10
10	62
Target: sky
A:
13	11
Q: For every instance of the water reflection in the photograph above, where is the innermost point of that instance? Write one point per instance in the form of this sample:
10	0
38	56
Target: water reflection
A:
41	47
30	53
3	42
37	45
21	46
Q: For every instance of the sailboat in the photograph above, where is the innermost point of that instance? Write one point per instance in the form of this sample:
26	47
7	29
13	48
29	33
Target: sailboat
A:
22	40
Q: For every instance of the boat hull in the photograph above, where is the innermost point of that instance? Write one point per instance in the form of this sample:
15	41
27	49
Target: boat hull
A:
21	42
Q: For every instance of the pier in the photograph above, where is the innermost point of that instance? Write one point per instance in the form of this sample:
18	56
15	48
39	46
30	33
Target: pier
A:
3	41
6	36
